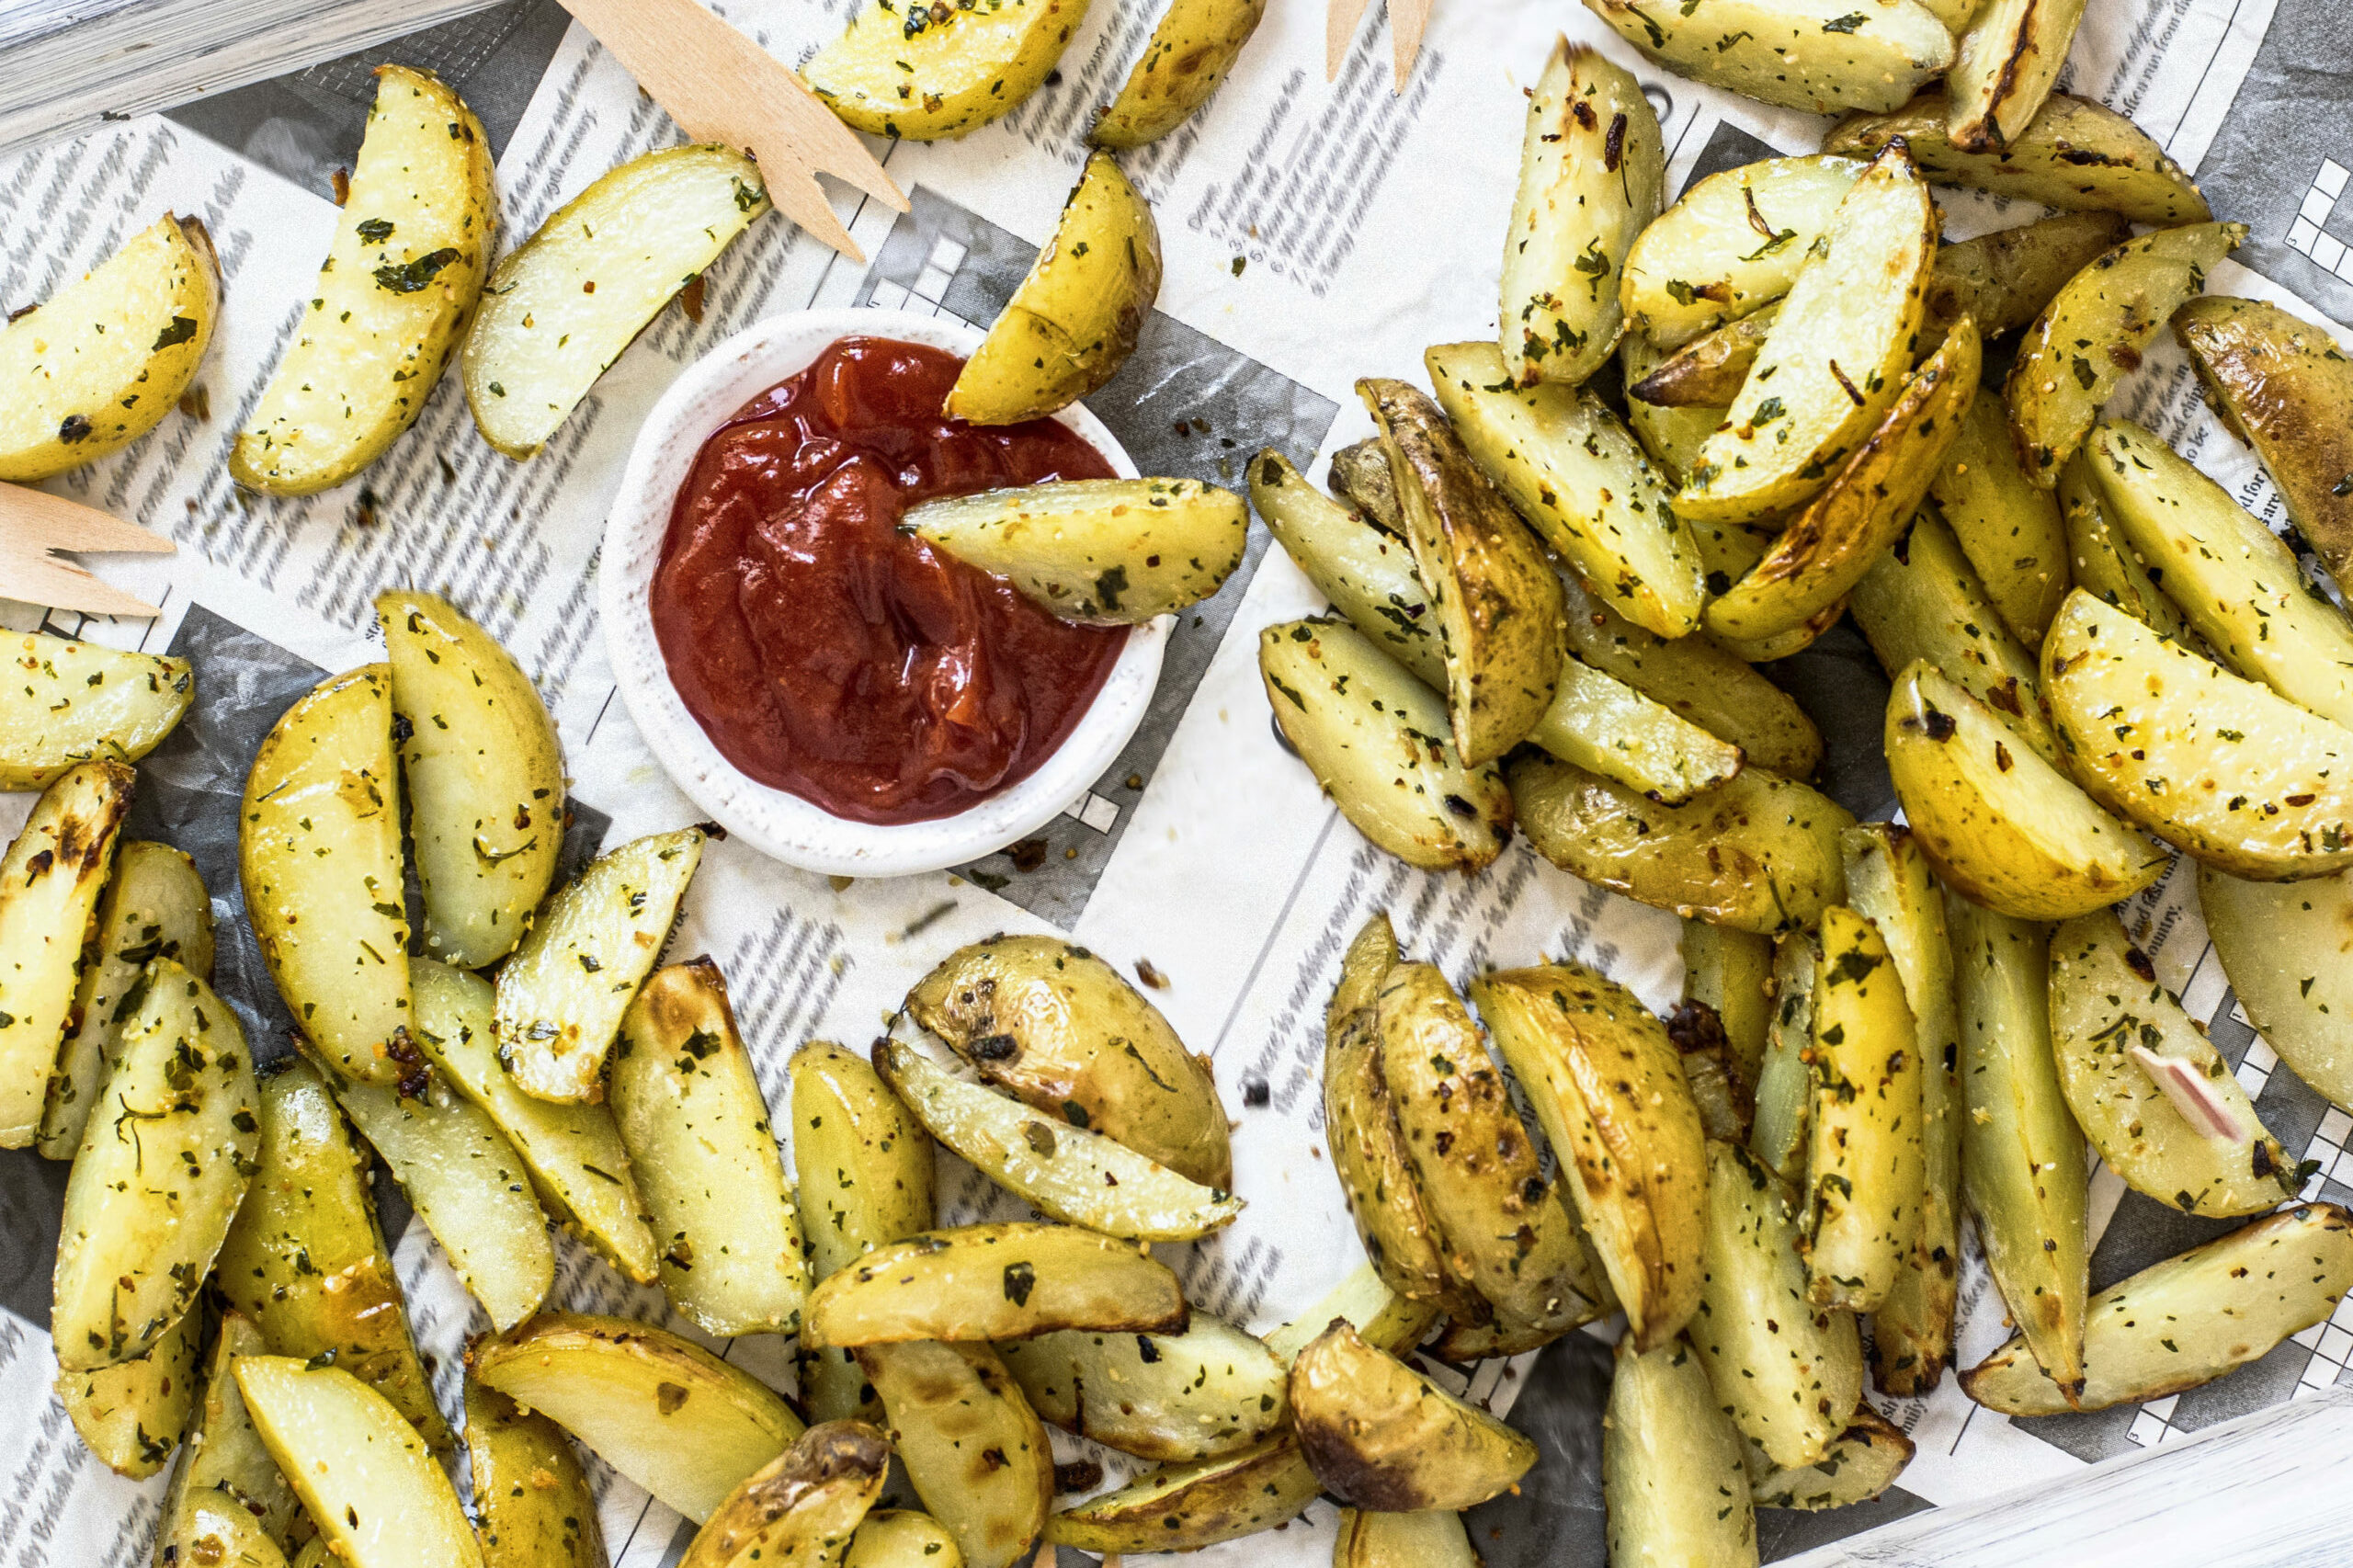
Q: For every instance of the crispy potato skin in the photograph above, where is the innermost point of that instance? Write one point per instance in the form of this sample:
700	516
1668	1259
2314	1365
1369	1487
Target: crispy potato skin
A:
1862	1463
1376	1177
1379	1434
2003	67
1184	63
809	1498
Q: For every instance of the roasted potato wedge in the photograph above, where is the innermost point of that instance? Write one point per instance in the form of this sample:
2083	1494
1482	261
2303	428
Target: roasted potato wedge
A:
667	1413
1859	1465
1076	316
1863	1159
1781	1133
63	703
1372	1540
1365	964
562	305
224	1533
1759	853
1731	243
978	1456
1187	1507
530	1493
1999	824
2095	330
2008	526
137	1240
1068	1173
98	364
2022	1155
1672	437
1377	741
2282	384
928	78
485	777
1801	412
1375	1173
1208	1390
2190	1319
2288	952
1727	1110
695	1125
1608	1088
395	297
366	1478
1707	371
2103	562
1672	1465
2148	1088
1384	1318
1731	973
319	851
902	1538
306	1260
1098	551
2003	69
2005	279
803	1503
1574	472
996	1282
1496	598
578	1165
225	1483
1067	1034
1183	64
563	995
1799	54
1789	1373
1359	477
1379	1435
1591	173
2221	767
2073	155
130	1414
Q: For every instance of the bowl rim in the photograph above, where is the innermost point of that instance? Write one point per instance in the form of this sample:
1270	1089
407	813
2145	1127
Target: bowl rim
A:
777	822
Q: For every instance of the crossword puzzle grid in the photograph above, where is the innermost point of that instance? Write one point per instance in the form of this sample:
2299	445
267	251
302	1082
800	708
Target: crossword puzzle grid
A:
2306	236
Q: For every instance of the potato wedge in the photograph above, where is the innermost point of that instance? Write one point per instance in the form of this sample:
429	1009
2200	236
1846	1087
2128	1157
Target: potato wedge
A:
2022	1155
2008	526
902	1538
1672	437
1606	1086
2218	766
563	995
485	777
306	1259
578	1165
978	1456
1377	741
1359	477
1591	173
1758	854
1182	65
395	297
1726	1111
2282	384
1731	244
1376	1175
1889	883
1782	1131
940	75
2006	278
562	306
1209	1390
130	1414
1187	1507
1098	551
1707	371
1859	1465
467	1183
1857	298
66	703
1999	824
1505	1230
1573	472
1799	54
667	1413
224	1533
156	908
2288	952
2101	561
1372	1540
1789	1373
2124	1048
1825	549
225	1483
1384	1318
1075	318
530	1493
1496	598
100	363
2237	585
2074	154
319	851
1067	1173
803	1503
1379	1435
1067	1034
2003	69
137	1240
696	1127
2190	1319
366	1478
1731	973
2095	330
1863	1159
1672	1473
996	1282
1923	601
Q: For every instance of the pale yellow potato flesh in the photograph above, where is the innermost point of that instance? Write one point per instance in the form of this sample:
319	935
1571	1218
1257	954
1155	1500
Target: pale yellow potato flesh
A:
1172	1397
1672	1465
932	74
2003	67
2288	949
1731	244
2104	563
1802	54
995	1282
1782	1129
531	1493
2008	526
1187	1507
1097	551
1860	1464
977	1454
130	1414
63	703
1183	64
1863	1158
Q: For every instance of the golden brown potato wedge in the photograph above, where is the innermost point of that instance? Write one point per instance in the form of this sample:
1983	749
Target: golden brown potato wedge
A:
935	76
1097	551
2003	69
1731	244
1006	1281
803	1503
2008	526
63	703
1861	1463
2102	561
976	1450
1182	65
130	1414
531	1495
1379	1435
2288	951
1187	1507
1799	54
1863	1159
1672	1473
225	1483
1375	1173
1174	1397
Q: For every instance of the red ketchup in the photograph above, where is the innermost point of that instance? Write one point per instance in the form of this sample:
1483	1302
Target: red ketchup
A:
828	654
